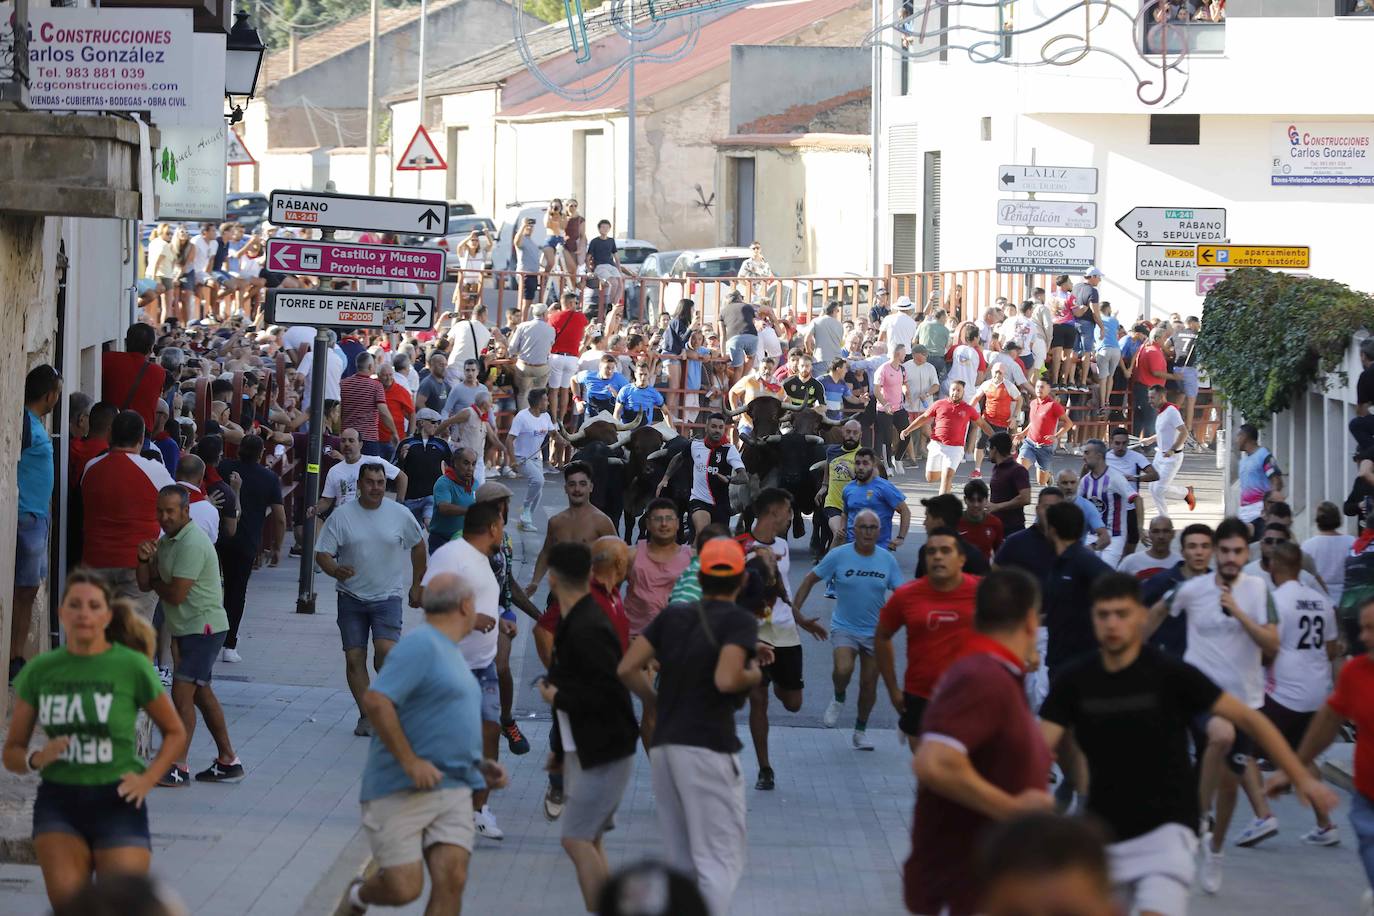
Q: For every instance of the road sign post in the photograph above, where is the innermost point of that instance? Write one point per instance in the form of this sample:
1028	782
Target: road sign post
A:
341	308
1174	225
356	261
1019	254
322	210
319	363
1279	257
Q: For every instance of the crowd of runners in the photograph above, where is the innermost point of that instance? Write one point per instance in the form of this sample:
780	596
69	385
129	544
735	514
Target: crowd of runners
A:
1089	682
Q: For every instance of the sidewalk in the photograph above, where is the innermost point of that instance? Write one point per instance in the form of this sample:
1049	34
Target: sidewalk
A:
831	838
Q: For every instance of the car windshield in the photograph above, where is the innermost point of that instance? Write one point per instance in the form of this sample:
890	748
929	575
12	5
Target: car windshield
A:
635	254
716	267
462	225
239	206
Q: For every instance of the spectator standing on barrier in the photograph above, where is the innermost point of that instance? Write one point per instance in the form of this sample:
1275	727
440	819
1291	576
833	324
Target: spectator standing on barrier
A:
530	345
364	406
738	330
528	255
35	476
365	545
182	570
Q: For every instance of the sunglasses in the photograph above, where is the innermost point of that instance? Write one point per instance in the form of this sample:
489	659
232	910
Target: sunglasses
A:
1272	541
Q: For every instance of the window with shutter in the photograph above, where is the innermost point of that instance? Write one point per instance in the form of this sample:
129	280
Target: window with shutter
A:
930	248
904	243
903	169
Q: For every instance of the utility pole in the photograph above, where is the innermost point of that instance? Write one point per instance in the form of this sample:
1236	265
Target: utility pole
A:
372	104
630	123
420	81
875	128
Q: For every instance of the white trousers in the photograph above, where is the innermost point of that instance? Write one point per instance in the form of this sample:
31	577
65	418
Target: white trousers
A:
1164	489
700	798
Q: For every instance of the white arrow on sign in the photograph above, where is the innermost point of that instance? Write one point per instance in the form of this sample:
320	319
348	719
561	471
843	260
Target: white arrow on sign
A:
320	210
1175	225
335	309
1066	254
1050	214
1166	262
1056	179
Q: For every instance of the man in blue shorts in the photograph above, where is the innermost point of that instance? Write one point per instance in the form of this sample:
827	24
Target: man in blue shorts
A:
869	491
864	576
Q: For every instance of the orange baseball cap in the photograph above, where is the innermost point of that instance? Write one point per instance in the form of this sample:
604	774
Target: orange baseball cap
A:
722	557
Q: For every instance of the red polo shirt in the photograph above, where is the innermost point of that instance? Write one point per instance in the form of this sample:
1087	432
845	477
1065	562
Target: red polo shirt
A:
1150	366
119	371
569	326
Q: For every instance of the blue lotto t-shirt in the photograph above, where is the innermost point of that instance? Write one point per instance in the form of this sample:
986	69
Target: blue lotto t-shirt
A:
880	496
862	584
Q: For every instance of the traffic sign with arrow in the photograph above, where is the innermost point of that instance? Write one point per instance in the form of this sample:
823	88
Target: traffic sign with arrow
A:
1019	254
1057	179
1052	214
349	259
321	210
335	309
1175	225
1281	257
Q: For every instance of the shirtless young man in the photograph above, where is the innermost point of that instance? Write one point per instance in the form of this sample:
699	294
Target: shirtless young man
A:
581	522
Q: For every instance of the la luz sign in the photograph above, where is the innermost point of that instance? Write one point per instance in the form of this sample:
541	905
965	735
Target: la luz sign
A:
1175	225
319	210
1050	214
1058	179
349	310
347	259
1019	254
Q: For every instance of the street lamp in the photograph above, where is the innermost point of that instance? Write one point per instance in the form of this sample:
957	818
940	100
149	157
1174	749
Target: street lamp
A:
242	61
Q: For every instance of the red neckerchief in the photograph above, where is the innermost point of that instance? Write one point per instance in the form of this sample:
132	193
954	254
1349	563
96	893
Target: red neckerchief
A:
197	494
1362	542
162	436
978	644
453	476
212	475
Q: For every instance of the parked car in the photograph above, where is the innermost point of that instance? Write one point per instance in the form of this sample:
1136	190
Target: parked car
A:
813	292
515	214
247	207
654	266
717	267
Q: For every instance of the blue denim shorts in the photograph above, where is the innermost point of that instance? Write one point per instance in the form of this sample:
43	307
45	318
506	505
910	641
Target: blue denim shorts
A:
740	346
31	550
422	508
1040	454
491	692
357	617
95	813
196	656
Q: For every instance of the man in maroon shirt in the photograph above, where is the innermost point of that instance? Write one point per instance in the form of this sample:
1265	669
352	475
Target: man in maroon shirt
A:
130	380
982	759
1010	486
364	407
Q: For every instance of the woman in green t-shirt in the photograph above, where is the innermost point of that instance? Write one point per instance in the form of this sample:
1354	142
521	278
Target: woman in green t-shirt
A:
89	813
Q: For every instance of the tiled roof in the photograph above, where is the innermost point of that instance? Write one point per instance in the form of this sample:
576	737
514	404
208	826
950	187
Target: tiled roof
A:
336	39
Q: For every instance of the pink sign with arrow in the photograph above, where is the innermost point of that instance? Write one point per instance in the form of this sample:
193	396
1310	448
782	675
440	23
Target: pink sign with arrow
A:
356	261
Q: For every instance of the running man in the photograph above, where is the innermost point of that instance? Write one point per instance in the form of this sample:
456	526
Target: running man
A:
1258	473
869	491
524	441
1129	707
1048	421
937	611
716	464
864	577
1110	494
580	523
952	417
1136	468
839	471
1170	435
1231	626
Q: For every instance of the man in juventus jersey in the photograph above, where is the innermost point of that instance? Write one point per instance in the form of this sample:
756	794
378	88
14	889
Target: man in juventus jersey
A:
1110	495
715	465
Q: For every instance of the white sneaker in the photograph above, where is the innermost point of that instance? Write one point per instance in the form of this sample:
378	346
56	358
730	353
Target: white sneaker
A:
861	742
901	468
832	713
230	655
1209	873
485	822
165	675
1259	830
526	522
1323	836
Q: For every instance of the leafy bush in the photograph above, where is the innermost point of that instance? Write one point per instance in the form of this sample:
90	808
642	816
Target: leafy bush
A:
1269	337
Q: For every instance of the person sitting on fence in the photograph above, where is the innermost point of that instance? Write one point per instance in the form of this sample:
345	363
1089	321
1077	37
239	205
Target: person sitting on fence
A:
597	389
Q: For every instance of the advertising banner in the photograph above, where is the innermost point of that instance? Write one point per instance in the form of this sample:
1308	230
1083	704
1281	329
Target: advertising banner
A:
189	168
1322	153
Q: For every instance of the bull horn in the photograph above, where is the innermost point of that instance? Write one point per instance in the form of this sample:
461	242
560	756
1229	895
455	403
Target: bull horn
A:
792	407
661	453
617	462
737	411
621	427
623	439
816	439
818	465
826	421
577	437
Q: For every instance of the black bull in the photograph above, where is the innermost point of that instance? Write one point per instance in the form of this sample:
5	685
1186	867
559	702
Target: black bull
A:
786	460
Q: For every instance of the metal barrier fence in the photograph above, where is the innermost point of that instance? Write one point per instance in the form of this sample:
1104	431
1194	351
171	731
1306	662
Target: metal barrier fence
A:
963	293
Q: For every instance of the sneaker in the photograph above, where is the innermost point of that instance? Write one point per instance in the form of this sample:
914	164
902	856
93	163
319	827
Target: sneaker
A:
1259	830
860	741
486	824
975	474
1191	500
508	472
1323	836
295	551
515	739
832	713
765	780
553	803
351	908
165	675
901	468
230	655
221	772
176	778
1209	872
527	525
364	728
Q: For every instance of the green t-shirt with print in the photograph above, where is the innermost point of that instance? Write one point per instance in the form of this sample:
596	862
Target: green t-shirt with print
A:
93	699
188	554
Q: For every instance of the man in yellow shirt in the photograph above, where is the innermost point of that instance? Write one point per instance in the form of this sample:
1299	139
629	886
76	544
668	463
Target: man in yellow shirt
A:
839	471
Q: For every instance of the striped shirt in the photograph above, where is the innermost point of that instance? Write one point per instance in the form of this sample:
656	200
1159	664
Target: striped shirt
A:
1112	496
360	396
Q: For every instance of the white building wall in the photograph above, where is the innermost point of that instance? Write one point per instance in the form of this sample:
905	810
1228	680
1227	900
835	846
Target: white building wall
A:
1088	115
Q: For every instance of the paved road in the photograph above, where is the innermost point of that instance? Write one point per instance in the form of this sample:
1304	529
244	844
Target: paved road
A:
831	838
